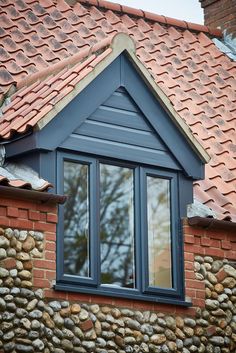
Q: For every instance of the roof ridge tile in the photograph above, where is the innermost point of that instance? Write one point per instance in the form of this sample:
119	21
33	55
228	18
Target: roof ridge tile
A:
152	16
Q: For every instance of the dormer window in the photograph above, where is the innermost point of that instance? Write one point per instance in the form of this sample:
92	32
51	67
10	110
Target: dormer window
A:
127	171
115	146
119	227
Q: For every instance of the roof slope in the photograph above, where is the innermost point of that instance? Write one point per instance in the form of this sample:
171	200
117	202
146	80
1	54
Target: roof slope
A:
198	79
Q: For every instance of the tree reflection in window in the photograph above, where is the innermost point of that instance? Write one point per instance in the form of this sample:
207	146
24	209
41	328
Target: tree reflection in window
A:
159	233
117	226
76	219
116	223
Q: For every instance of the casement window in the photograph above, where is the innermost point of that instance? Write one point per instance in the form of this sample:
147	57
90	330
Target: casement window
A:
119	229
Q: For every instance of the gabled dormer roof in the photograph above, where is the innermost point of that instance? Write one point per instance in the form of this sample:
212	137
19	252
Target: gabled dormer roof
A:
37	106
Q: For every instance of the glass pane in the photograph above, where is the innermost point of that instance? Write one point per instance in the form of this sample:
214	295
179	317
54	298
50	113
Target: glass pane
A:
117	226
76	219
159	233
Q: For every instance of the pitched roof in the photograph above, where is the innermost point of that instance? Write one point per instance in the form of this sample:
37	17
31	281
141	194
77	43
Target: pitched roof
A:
194	74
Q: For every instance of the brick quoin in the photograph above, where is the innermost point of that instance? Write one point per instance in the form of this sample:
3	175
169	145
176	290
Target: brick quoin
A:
190	293
188	265
38	273
41	283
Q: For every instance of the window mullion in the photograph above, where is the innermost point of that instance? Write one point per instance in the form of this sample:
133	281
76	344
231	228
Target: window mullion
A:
95	221
60	227
175	232
143	228
137	230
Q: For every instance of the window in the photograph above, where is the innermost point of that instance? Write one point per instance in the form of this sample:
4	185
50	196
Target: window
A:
119	229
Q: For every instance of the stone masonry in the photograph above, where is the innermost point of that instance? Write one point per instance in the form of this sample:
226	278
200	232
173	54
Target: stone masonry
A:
31	322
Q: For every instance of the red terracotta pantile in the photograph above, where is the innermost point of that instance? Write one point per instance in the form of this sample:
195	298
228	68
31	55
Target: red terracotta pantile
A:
39	62
49	23
24	27
30	70
62	94
93	11
4	56
5	78
221	211
46	3
21	6
38	9
83	74
62	6
6	22
37	117
201	195
13	68
31	18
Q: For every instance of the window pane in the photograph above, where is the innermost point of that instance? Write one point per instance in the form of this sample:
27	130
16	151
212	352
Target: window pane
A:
76	219
117	226
159	233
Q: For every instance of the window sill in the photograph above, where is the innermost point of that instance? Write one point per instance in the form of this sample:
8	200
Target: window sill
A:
127	295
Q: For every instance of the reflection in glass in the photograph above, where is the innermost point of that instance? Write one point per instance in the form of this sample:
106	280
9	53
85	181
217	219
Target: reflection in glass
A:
159	233
76	219
117	226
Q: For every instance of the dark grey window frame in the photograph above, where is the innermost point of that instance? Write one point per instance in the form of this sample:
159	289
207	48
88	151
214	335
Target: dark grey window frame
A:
91	285
174	216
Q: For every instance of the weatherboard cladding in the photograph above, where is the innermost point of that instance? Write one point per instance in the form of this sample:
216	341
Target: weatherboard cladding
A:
196	76
125	134
120	120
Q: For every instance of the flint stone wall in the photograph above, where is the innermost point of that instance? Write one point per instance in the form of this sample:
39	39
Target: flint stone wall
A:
29	322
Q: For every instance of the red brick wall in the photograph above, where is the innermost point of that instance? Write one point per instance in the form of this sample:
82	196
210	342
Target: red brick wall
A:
36	216
198	241
220	13
28	215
